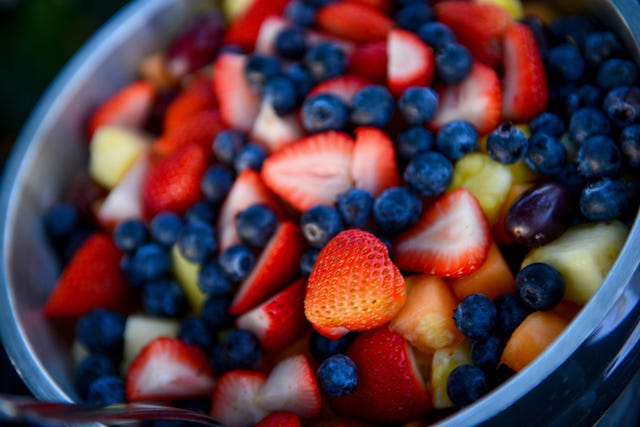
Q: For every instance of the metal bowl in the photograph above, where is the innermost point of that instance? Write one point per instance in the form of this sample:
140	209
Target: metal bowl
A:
577	380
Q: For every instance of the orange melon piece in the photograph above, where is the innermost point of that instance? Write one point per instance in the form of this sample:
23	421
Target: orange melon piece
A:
493	278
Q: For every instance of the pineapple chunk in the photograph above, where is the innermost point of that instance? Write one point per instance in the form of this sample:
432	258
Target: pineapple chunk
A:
232	9
141	329
584	255
444	361
488	180
514	7
186	272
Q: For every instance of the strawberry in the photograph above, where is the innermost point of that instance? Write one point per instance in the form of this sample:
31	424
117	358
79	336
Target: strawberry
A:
353	286
384	5
248	189
245	28
373	166
525	92
477	25
269	30
173	183
276	267
390	388
410	61
451	239
476	99
345	87
280	419
92	279
369	60
196	97
311	171
291	386
275	131
280	320
239	105
130	106
167	369
200	129
355	22
233	401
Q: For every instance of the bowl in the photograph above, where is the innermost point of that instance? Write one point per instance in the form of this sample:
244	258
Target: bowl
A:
588	373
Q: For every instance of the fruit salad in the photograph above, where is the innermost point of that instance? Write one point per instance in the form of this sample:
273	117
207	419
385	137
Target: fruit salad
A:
336	212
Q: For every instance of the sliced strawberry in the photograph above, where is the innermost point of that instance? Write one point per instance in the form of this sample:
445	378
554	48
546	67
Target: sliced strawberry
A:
130	106
167	369
355	22
269	30
373	166
92	279
345	87
350	292
196	97
239	105
410	61
276	267
233	401
311	171
525	91
275	131
280	320
451	239
369	60
244	29
173	183
291	386
199	129
476	99
248	189
477	25
390	388
280	419
384	5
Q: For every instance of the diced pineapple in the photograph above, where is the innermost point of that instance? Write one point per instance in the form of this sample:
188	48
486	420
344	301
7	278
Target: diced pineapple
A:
486	179
186	272
584	255
234	8
141	329
112	151
521	173
444	361
514	7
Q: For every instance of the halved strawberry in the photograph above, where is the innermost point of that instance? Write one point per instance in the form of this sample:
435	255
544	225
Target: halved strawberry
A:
476	99
345	87
276	267
524	91
269	30
356	22
384	5
167	369
173	183
280	320
196	97
92	279
239	104
199	129
410	61
354	285
280	419
275	131
369	60
373	166
451	239
129	106
311	171
477	25
233	401
245	28
390	387
291	386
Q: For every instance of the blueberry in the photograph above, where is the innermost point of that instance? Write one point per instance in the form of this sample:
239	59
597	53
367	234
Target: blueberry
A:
466	384
622	105
510	313
603	200
587	122
151	261
101	331
325	60
259	68
300	13
429	173
212	279
106	390
617	72
60	220
507	144
545	154
165	228
457	138
413	16
197	242
355	207
319	224
548	123
164	297
418	104
372	105
237	261
194	330
291	43
202	212
256	224
436	34
227	144
585	96
130	234
573	28
396	208
90	368
570	178
216	183
540	286
412	141
251	156
301	78
453	63
337	376
486	354
629	143
565	63
281	93
599	156
324	112
475	316
240	348
322	347
308	260
600	46
215	312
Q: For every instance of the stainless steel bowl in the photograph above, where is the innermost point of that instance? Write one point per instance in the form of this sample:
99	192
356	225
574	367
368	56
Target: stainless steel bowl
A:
573	383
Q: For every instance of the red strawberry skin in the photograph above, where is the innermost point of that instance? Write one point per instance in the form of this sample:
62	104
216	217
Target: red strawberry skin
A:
280	419
525	90
92	279
374	167
410	61
451	239
173	183
245	29
390	388
355	22
200	129
345	87
369	60
196	97
232	402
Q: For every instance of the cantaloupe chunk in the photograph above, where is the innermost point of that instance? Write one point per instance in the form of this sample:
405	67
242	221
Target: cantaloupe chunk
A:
493	278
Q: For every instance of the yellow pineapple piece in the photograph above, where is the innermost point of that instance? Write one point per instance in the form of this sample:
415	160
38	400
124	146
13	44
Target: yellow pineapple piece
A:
444	361
186	273
232	9
141	329
514	7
